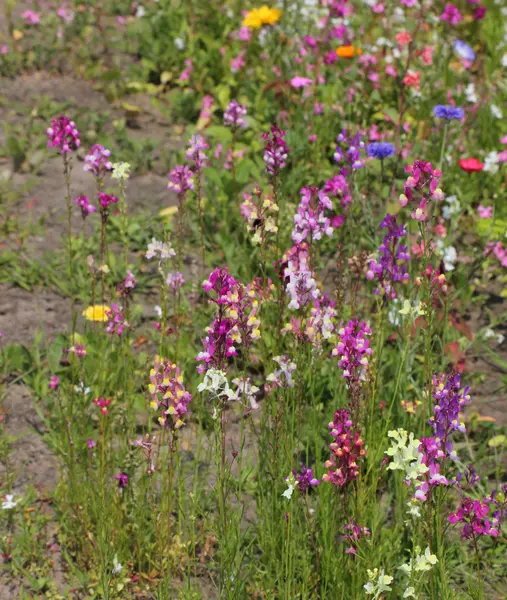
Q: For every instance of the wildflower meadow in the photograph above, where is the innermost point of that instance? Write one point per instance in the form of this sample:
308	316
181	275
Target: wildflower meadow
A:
253	299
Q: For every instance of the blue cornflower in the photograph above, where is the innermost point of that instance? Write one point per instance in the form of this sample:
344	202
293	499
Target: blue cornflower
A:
463	50
448	112
380	150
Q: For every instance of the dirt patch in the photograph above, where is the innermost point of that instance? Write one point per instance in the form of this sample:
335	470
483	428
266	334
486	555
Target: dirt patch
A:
23	313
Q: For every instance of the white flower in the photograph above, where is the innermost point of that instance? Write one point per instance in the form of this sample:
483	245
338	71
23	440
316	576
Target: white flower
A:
380	586
452	207
161	250
405	455
291	482
409	593
140	12
158	311
215	382
414	508
9	503
491	162
470	94
117	567
82	389
495	111
504	60
179	43
410	310
121	171
450	257
245	390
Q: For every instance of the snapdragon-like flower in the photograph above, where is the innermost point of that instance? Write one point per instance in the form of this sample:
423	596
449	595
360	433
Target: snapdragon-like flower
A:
448	112
97	161
125	287
311	219
9	503
318	326
301	283
305	480
432	453
195	152
123	480
405	455
216	384
391	267
168	393
116	321
291	486
282	377
259	215
346	450
181	179
349	149
174	280
451	14
420	187
103	404
63	134
378	583
234	115
105	201
422	562
121	171
160	250
85	205
353	533
275	151
246	391
353	350
450	399
380	150
338	186
473	515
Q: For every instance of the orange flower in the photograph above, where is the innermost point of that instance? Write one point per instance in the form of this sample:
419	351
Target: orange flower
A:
348	51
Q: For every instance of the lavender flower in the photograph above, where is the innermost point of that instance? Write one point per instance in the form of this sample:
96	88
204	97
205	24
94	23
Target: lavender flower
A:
380	150
181	179
310	221
97	161
301	284
174	280
195	152
349	150
464	51
116	322
234	115
305	480
448	112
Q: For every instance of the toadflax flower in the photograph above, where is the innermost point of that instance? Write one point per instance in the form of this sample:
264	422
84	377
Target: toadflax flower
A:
421	562
181	179
276	150
378	583
85	205
63	134
160	250
234	115
282	377
97	161
121	171
9	503
168	393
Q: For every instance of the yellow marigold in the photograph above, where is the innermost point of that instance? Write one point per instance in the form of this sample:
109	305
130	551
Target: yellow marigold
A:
348	51
96	313
269	16
252	19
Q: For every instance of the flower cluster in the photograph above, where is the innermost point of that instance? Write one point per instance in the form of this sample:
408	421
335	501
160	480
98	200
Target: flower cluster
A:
160	250
264	15
421	562
353	350
85	205
473	515
246	391
105	201
338	186
301	283
353	533
432	453
181	179
405	455
275	151
174	280
234	115
349	149
116	322
97	161
316	327
195	153
168	393
305	480
63	134
378	583
347	449
281	377
103	404
391	266
310	220
259	215
450	399
422	177
125	287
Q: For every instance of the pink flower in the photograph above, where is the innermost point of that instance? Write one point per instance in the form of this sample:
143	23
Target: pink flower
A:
485	212
238	62
403	38
300	82
378	8
427	55
451	14
412	79
391	71
53	382
187	71
502	156
31	17
4	49
244	34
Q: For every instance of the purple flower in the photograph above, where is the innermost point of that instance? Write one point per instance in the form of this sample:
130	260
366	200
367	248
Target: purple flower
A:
125	287
97	161
181	179
391	266
276	150
305	480
174	280
473	513
85	205
79	350
301	283
195	151
116	322
106	199
122	479
380	150
234	115
349	150
448	112
353	350
464	51
311	221
91	444
63	134
451	14
353	533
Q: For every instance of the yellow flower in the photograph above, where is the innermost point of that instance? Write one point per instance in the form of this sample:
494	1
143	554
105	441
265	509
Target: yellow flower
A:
264	15
252	19
269	16
96	313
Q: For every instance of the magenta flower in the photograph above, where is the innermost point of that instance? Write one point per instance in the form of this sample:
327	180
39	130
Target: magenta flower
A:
79	350
169	394
353	350
312	218
451	14
305	480
421	187
125	287
300	82
116	321
103	404
353	533
276	150
473	515
485	212
85	205
31	17
91	444
53	382
122	479
181	179
63	134
105	200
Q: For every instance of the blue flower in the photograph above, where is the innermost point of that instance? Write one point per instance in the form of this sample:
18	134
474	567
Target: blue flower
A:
448	112
380	150
463	50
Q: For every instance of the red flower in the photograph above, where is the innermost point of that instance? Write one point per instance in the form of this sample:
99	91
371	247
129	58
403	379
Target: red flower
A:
470	165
